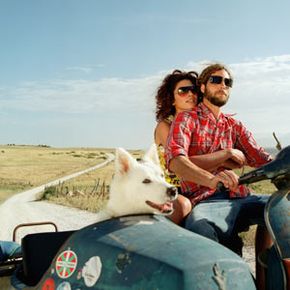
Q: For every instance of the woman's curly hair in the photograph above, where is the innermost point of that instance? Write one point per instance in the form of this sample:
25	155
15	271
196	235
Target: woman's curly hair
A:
165	94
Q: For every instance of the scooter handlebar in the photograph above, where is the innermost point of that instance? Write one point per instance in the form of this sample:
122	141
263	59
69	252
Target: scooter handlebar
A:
278	167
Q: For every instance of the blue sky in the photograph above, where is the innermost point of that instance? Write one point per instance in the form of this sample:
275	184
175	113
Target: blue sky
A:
84	73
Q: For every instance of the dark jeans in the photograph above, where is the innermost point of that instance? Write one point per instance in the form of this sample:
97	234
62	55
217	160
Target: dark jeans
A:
8	249
221	219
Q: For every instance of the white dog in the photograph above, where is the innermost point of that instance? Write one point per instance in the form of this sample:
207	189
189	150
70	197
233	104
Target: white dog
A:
139	187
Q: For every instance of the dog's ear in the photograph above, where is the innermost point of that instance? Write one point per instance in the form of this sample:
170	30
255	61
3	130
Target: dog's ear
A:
152	155
124	161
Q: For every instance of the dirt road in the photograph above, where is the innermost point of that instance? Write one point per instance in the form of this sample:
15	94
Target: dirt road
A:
24	208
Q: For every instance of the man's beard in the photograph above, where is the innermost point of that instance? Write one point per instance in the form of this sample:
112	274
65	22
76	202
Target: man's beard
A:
215	100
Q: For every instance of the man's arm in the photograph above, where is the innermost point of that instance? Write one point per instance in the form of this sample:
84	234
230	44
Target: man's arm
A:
183	167
227	158
256	155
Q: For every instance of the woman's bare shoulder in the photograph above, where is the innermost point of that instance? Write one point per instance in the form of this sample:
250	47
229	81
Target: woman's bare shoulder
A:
161	132
164	124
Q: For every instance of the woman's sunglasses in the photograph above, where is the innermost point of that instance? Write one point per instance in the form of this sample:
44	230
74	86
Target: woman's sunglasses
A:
183	91
218	80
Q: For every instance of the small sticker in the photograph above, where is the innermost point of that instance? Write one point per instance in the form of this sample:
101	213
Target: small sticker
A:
66	264
123	260
79	274
92	270
48	284
64	286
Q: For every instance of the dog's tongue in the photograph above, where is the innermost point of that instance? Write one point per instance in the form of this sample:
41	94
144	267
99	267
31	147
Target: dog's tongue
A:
165	208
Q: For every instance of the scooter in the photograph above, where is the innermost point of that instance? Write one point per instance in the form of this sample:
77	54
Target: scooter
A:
150	252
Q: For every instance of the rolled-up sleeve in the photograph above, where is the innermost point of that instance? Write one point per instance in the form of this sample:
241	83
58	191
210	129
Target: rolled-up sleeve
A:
256	155
179	138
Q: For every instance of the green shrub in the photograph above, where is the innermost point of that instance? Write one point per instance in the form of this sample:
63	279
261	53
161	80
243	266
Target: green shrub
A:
50	191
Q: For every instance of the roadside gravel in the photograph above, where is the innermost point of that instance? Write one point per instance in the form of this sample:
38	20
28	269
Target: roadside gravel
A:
249	257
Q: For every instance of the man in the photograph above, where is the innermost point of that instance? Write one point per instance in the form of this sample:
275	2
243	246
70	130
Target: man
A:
217	214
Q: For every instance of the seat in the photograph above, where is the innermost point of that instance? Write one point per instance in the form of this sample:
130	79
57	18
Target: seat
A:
38	252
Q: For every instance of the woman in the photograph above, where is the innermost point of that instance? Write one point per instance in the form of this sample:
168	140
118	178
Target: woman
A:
177	93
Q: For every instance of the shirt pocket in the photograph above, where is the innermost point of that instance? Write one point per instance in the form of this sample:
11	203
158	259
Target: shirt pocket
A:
225	139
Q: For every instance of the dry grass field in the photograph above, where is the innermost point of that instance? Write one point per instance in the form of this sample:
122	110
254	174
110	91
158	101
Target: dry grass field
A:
24	167
88	191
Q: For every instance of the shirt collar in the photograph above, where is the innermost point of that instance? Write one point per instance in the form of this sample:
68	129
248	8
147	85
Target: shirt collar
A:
203	109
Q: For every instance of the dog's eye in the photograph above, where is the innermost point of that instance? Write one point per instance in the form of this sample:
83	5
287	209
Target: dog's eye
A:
146	180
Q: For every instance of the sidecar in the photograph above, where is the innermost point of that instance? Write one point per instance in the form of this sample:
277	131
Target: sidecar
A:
130	252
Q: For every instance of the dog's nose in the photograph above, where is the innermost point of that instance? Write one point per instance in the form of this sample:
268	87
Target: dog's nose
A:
172	192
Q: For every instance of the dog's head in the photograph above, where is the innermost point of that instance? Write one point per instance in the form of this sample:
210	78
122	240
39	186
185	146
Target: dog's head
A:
139	186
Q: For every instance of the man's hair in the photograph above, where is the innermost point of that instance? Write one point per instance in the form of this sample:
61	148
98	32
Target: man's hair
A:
165	94
209	70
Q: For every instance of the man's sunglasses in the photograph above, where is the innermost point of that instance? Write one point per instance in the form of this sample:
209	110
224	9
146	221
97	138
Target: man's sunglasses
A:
183	91
218	80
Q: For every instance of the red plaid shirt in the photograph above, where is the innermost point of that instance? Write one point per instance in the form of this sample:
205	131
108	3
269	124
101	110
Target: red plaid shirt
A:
198	132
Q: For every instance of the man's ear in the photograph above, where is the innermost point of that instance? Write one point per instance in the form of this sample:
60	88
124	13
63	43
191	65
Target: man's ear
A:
123	161
202	88
152	155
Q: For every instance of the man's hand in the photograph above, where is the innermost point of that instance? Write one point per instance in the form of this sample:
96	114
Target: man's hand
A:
228	178
236	159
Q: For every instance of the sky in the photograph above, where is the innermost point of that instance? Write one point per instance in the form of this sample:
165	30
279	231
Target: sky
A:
78	73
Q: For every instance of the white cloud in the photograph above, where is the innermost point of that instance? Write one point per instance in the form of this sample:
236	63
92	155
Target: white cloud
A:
85	69
260	97
81	96
263	84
